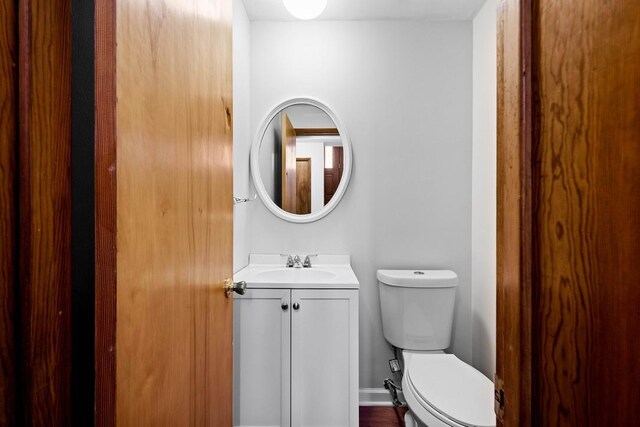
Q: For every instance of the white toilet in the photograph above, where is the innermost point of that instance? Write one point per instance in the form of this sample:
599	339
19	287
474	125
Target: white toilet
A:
417	315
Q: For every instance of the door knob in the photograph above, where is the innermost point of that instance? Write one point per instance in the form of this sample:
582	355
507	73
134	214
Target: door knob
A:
238	287
285	306
296	306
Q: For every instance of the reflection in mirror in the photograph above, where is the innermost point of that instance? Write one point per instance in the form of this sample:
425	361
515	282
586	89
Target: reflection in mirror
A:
301	159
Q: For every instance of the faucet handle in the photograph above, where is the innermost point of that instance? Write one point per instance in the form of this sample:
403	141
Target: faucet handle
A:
307	261
289	260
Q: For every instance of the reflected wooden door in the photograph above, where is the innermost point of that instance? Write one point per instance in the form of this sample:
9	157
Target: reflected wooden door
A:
288	147
303	186
164	200
332	171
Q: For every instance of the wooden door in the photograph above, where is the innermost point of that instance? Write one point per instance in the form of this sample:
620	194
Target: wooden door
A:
333	174
262	353
587	214
324	357
569	209
288	147
303	186
164	200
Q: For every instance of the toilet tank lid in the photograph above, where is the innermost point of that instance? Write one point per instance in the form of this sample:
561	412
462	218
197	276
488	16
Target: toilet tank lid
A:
418	278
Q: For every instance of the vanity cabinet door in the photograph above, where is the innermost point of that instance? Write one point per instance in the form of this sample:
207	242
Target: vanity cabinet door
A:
261	347
324	358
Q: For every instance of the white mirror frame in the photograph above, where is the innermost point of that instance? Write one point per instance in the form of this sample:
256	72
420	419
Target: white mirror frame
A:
255	163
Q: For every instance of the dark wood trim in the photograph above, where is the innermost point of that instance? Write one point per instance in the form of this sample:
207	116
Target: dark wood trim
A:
316	131
45	211
514	213
105	208
8	210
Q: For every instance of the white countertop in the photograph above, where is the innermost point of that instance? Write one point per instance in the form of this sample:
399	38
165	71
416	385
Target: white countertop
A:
326	272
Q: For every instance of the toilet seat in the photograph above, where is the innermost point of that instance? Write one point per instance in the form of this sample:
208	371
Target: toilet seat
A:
452	392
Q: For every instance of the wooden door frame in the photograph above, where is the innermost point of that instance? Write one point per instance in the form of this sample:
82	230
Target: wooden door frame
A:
44	220
35	218
105	212
515	181
514	202
8	211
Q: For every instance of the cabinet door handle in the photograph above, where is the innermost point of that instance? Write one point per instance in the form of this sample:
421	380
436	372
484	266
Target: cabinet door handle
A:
296	306
285	306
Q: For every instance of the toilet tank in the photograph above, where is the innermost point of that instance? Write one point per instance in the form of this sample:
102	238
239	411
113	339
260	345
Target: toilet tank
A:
417	307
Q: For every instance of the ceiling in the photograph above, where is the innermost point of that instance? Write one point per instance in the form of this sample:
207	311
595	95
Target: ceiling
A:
344	10
308	116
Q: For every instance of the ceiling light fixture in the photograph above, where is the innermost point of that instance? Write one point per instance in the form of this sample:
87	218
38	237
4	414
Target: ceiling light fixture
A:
305	9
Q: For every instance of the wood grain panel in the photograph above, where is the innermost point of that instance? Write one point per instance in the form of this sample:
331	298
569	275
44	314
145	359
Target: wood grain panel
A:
105	213
316	131
174	212
288	150
45	210
8	209
303	185
514	241
588	216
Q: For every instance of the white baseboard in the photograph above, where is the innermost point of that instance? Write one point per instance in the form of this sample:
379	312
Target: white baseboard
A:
377	397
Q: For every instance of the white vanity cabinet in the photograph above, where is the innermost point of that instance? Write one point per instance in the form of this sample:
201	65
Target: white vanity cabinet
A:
296	357
261	355
296	344
324	358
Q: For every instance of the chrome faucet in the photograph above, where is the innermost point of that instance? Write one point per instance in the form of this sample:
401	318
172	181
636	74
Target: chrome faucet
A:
297	262
307	261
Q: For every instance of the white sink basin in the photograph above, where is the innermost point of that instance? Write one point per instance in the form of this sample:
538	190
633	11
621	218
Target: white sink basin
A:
296	274
327	271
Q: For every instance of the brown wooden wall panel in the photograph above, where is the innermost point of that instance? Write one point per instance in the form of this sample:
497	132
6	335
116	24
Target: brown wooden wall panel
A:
45	210
8	208
588	213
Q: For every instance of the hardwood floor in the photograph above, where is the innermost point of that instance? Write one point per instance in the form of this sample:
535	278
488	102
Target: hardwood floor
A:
382	416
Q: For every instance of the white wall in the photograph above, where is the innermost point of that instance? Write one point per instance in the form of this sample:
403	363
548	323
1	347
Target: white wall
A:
483	226
315	151
241	132
404	93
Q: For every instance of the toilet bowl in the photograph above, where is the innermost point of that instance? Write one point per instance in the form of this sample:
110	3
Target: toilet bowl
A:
441	390
417	316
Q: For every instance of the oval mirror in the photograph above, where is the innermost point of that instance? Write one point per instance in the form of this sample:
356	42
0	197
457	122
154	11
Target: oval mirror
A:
301	160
